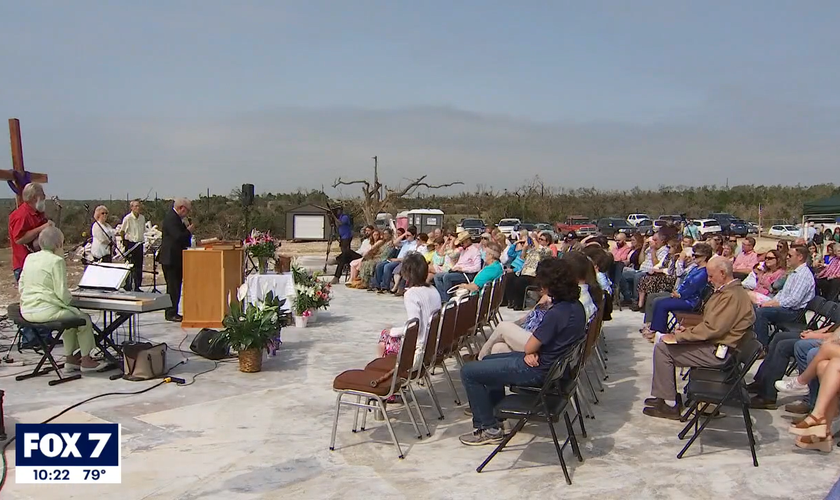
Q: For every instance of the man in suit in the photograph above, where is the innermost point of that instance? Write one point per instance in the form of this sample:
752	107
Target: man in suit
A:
177	236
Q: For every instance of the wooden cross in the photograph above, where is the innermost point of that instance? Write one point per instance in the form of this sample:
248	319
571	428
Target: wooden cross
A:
17	176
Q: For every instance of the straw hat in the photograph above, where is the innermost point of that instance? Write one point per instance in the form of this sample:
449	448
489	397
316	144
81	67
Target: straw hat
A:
462	237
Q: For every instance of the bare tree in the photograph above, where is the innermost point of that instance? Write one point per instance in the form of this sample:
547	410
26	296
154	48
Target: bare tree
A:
374	201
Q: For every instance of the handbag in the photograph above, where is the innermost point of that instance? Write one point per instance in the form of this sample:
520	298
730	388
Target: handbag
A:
143	360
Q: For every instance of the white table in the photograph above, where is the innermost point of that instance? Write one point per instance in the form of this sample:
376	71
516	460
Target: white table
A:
283	286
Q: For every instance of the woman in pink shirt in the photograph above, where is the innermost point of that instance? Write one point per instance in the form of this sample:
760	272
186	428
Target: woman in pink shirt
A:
773	269
827	278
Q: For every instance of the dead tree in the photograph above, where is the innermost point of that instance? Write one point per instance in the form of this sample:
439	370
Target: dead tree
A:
373	201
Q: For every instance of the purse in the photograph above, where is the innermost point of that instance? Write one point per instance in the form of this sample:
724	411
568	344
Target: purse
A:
143	360
207	345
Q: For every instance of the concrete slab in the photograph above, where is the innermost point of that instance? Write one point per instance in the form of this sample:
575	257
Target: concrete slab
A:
231	435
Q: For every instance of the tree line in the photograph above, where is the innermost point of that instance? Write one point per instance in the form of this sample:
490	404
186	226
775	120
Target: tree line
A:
224	217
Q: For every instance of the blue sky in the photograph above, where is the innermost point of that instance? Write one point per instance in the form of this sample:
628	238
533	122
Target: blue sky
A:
178	96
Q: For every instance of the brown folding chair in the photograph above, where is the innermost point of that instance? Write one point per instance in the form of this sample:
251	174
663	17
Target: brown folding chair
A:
498	297
465	325
375	387
446	342
484	306
419	373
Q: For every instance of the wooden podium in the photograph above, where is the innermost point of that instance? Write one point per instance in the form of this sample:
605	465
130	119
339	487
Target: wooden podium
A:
212	274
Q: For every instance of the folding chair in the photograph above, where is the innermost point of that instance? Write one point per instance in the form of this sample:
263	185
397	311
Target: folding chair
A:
386	363
47	344
498	297
484	306
547	405
691	318
2	420
716	387
446	342
375	387
465	325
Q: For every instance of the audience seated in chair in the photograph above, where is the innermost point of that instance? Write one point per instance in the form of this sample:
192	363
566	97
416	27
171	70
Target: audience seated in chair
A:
467	257
769	277
491	271
786	345
532	251
563	325
727	318
367	245
814	431
421	301
44	297
384	272
789	304
653	252
685	298
828	278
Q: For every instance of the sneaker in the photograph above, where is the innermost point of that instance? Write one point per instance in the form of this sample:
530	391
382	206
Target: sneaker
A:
791	385
70	367
481	437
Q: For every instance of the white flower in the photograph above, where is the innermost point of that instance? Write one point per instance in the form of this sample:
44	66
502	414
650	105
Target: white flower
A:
242	292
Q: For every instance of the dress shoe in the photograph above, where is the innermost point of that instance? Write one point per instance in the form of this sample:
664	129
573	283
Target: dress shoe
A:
759	403
754	387
654	401
663	410
799	408
175	318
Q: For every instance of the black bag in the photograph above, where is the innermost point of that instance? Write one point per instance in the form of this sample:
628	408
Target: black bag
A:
206	345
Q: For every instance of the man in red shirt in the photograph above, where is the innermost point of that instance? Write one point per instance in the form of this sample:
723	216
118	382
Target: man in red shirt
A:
25	224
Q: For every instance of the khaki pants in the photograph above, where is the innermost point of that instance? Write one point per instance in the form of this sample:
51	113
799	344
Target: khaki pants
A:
507	337
74	338
667	357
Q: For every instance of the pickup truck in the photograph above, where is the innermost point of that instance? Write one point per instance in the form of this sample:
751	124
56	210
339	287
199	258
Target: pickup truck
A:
508	226
475	227
578	225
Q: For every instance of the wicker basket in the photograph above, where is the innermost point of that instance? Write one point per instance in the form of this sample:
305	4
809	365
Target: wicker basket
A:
250	360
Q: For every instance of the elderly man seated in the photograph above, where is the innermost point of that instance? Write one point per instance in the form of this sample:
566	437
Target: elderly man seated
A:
44	297
789	304
727	318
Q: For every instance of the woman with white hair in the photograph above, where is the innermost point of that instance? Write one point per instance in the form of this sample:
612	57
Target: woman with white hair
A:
491	271
44	297
102	235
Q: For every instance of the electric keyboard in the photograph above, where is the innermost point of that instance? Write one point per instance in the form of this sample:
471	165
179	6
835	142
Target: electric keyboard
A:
129	302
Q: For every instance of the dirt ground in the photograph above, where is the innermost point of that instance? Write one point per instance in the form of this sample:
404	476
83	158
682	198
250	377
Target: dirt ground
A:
8	288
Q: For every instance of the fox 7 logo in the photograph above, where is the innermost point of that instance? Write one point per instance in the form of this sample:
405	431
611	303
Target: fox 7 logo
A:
68	444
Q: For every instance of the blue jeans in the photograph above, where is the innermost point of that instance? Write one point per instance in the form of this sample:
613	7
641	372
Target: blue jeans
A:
774	365
387	275
485	383
804	352
445	281
377	274
661	308
629	283
764	316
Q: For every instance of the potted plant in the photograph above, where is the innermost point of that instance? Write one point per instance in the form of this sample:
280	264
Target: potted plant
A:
251	329
261	246
304	304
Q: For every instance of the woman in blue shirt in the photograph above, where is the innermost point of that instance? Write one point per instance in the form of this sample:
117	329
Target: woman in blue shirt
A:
687	296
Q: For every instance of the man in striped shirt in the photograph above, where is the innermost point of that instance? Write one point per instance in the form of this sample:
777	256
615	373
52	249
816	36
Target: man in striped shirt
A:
789	303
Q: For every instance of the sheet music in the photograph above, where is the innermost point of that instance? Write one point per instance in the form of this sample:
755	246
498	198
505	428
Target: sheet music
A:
104	275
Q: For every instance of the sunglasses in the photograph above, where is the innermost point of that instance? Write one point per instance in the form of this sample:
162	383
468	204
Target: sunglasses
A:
769	258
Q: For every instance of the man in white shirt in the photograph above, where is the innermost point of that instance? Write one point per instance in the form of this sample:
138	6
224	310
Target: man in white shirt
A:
133	231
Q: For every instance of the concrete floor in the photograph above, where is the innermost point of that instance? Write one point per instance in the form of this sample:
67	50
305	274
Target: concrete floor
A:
236	436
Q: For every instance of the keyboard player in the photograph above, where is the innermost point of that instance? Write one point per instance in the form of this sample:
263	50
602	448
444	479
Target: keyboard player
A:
44	297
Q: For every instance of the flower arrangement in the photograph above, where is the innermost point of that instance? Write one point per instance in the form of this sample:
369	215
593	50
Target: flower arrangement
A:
252	328
261	245
310	292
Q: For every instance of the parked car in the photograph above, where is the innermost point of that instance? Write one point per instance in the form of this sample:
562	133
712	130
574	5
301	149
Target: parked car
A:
475	227
707	227
610	226
578	225
644	226
752	228
729	224
528	226
783	230
508	226
634	219
674	218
